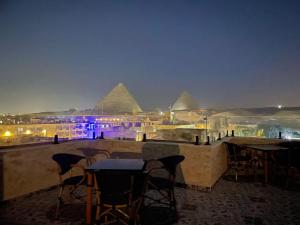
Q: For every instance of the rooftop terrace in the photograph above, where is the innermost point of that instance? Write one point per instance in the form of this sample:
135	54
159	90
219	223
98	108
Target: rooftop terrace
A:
29	195
228	203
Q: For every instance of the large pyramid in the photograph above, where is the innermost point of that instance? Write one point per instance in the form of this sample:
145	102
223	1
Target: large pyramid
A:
118	100
185	102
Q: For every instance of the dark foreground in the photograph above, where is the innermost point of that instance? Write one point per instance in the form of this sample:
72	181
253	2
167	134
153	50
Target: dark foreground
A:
228	203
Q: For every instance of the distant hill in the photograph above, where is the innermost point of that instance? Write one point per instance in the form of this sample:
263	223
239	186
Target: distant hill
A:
268	111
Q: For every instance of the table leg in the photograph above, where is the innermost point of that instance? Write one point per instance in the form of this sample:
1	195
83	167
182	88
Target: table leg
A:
266	167
89	199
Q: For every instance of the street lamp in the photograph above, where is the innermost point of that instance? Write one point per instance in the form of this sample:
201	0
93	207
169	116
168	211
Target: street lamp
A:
205	118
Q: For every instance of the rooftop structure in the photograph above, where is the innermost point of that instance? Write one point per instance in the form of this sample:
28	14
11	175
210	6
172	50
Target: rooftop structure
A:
31	197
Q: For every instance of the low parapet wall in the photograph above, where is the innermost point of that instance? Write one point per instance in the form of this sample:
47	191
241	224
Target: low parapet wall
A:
30	168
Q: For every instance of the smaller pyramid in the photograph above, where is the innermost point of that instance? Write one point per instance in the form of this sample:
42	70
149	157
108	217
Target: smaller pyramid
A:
118	100
185	102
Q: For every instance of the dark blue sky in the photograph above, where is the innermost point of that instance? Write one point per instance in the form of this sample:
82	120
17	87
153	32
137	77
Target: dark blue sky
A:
59	54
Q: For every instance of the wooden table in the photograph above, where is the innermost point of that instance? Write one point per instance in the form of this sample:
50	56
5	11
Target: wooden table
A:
128	165
267	150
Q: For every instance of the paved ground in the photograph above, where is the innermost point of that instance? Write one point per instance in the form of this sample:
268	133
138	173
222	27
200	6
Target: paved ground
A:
228	203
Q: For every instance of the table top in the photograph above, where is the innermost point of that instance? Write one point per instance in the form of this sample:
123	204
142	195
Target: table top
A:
118	164
267	147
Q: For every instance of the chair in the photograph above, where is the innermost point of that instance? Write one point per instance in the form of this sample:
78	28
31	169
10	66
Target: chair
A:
239	159
66	163
287	163
164	186
279	165
94	154
119	196
294	166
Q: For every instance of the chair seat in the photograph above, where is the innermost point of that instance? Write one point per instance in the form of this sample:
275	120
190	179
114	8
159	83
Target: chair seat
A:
72	180
160	182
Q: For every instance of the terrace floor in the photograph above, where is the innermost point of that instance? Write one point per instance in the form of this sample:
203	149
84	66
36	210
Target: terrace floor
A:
228	203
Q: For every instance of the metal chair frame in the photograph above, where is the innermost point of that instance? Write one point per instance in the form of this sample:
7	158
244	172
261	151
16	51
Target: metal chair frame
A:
167	194
71	161
235	163
292	165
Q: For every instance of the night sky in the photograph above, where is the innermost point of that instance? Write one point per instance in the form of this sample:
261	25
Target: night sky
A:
56	55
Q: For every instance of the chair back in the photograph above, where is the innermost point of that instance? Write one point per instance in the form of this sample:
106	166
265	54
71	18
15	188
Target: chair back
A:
170	163
237	153
295	158
295	145
116	186
293	152
231	151
65	161
282	158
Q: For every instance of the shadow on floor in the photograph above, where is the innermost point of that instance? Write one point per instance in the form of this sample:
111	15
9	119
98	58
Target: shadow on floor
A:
75	213
241	179
279	182
158	216
68	213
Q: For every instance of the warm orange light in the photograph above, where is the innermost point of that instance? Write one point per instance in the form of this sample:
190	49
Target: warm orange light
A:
7	134
28	132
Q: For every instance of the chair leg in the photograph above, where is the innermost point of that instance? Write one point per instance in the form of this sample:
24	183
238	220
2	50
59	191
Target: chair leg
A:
173	199
98	208
289	176
174	205
170	198
59	200
287	182
255	170
98	212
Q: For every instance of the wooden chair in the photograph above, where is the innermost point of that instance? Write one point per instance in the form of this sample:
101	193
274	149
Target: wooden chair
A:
119	196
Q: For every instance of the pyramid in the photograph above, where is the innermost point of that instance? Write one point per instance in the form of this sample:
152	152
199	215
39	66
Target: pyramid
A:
118	100
185	102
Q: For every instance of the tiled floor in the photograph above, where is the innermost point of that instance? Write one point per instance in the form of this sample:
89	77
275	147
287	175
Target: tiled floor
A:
228	203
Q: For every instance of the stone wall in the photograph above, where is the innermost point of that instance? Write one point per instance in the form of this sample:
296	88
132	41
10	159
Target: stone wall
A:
30	168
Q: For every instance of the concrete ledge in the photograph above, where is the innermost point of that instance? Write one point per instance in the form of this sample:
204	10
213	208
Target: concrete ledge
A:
30	168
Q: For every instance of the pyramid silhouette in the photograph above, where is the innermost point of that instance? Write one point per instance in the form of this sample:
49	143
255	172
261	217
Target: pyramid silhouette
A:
118	100
185	102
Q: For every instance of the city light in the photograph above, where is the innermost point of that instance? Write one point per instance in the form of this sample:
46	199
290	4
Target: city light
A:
279	106
44	132
28	132
7	134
